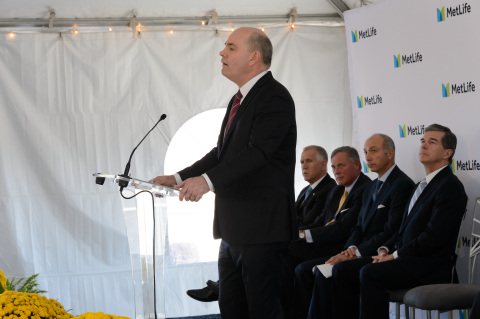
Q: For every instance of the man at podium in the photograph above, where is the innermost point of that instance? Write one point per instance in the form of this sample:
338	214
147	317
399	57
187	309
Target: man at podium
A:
251	172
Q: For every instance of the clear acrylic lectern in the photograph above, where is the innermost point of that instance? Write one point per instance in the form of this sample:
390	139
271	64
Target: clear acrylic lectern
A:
139	222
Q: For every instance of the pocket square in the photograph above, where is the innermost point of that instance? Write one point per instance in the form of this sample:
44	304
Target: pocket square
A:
344	210
380	206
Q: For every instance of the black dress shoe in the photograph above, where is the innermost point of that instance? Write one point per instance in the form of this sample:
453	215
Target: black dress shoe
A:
204	294
213	285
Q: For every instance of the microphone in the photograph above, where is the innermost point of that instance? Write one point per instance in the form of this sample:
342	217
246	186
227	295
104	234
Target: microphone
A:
122	183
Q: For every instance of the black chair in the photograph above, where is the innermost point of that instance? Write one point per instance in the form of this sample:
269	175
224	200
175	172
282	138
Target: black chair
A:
449	297
396	296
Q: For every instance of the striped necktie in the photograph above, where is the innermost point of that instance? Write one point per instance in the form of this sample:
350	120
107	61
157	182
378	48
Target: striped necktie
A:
416	195
233	110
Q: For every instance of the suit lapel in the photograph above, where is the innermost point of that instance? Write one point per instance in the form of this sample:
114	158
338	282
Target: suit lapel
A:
431	187
245	104
384	191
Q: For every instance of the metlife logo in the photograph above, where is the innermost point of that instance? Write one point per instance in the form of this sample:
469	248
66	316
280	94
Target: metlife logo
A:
363	34
455	11
368	100
409	130
457	88
465	165
399	60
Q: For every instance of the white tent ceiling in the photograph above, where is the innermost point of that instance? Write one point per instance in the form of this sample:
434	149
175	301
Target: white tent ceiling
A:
87	13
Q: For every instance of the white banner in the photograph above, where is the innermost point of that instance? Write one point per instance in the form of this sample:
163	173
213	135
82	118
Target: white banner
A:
415	63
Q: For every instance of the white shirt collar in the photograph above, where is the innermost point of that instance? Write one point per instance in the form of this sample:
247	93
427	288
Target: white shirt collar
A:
385	176
430	176
248	86
317	182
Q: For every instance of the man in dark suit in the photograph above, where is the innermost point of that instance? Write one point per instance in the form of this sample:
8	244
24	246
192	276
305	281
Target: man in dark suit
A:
312	199
423	250
309	204
332	228
251	171
382	209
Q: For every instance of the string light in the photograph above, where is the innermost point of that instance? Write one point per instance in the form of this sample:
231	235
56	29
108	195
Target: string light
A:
203	23
12	35
76	31
109	29
292	27
139	27
263	29
171	31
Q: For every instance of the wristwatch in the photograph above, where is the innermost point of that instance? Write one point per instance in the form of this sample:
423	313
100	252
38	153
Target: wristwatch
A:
301	234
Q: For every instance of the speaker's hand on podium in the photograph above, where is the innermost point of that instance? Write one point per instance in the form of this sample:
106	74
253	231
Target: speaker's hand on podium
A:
193	189
167	180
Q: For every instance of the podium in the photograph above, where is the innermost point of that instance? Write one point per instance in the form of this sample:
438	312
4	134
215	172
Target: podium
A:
143	238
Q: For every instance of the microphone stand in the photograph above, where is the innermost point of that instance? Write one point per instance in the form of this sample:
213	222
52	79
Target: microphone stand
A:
123	184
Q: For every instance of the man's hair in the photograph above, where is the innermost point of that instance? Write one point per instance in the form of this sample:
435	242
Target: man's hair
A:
388	143
449	140
260	42
352	153
321	153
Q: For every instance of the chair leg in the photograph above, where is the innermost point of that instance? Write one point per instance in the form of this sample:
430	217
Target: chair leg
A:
450	315
397	310
429	314
437	314
412	312
406	312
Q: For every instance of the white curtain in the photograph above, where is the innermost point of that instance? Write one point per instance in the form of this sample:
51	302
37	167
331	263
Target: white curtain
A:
73	105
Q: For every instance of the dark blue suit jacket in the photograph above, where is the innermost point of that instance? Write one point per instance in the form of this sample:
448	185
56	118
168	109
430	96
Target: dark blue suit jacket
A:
427	238
310	208
339	231
380	219
252	168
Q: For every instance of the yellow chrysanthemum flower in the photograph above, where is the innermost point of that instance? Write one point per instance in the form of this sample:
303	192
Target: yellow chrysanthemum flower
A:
3	279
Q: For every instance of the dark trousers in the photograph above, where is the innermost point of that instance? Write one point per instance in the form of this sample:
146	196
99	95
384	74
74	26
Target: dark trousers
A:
331	295
250	278
303	286
375	281
298	293
346	287
475	313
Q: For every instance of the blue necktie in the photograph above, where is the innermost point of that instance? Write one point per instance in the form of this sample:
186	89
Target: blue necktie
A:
377	189
309	191
417	193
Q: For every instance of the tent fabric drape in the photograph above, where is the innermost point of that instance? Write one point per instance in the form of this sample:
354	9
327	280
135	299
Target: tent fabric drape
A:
73	105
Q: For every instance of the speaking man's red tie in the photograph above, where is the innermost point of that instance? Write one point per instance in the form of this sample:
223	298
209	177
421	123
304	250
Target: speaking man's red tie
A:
233	110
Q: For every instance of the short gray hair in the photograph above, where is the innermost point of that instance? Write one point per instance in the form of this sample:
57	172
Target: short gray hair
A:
321	153
261	43
352	153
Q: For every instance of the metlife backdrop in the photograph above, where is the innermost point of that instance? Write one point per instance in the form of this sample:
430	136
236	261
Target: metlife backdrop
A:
413	63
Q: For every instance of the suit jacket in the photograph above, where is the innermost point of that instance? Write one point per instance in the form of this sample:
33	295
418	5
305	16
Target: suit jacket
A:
252	168
339	231
310	208
380	219
427	238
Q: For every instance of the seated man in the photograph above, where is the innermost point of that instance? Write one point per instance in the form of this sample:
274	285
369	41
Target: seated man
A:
332	227
311	200
309	204
423	250
380	217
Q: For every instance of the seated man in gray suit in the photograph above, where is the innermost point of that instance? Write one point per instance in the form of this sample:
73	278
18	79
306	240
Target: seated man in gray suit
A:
380	216
423	249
